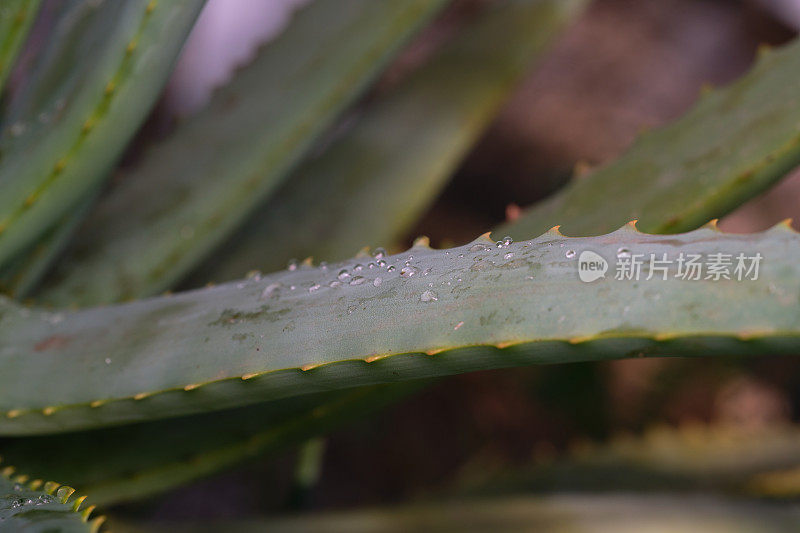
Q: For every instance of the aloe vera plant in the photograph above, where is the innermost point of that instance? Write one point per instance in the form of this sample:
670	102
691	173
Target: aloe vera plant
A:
141	396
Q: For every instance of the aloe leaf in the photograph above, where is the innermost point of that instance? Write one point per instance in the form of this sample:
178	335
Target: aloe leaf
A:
434	312
464	84
125	463
219	164
16	17
401	149
24	273
563	513
732	145
99	74
693	457
39	507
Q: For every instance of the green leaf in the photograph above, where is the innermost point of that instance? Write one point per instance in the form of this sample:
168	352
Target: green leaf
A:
16	17
120	464
24	273
693	457
661	513
38	507
97	77
218	165
434	312
463	85
734	144
400	150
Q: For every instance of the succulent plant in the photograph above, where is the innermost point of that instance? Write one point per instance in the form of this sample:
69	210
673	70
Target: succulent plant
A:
140	392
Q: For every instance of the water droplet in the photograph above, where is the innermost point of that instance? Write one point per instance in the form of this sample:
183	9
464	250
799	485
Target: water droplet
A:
509	255
408	271
358	280
292	287
429	296
292	264
505	242
477	248
460	256
323	265
343	275
333	284
570	254
358	268
370	265
427	271
391	268
314	287
377	282
270	290
623	253
379	253
382	263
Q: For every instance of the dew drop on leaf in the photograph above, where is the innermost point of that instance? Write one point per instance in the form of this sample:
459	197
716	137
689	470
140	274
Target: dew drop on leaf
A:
408	271
429	296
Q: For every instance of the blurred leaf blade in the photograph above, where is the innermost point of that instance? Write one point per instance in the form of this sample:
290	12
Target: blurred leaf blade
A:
101	71
733	144
253	132
131	462
311	329
23	274
400	150
562	513
693	457
16	18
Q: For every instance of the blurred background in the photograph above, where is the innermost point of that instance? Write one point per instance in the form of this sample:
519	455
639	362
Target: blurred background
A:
622	67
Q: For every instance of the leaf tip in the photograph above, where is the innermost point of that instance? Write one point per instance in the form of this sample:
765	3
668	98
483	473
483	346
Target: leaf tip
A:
421	242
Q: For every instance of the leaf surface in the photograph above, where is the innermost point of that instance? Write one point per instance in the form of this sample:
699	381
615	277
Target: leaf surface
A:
422	313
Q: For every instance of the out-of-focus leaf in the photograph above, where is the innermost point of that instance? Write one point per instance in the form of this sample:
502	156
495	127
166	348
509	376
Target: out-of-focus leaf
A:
120	464
693	457
374	180
565	513
219	164
100	72
16	17
735	143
